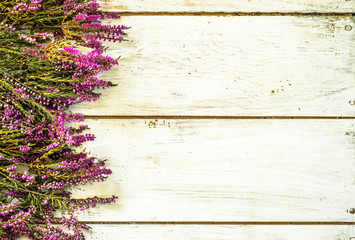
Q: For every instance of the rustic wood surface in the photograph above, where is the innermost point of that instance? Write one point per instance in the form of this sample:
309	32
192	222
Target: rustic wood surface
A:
227	232
250	66
198	170
228	5
225	170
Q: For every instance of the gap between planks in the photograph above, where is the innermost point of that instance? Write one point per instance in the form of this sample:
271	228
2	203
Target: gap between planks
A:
97	117
221	14
211	223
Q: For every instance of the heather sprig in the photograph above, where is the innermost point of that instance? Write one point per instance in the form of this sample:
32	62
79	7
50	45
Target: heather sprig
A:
51	52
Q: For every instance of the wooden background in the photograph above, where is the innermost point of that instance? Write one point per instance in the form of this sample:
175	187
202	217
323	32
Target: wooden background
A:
231	119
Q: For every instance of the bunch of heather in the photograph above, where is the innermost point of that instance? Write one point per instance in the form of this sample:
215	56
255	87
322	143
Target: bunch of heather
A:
51	52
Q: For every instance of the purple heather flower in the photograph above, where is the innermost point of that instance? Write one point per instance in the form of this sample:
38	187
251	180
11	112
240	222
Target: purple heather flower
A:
24	148
34	111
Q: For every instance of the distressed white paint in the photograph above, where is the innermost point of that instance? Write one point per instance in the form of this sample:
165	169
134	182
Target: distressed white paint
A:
228	170
179	65
228	5
227	232
225	170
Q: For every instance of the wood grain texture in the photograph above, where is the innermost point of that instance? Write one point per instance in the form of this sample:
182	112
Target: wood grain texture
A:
225	170
196	232
244	66
228	5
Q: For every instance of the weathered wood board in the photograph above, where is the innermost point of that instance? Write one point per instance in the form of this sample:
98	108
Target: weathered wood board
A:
232	66
225	170
206	170
198	232
228	5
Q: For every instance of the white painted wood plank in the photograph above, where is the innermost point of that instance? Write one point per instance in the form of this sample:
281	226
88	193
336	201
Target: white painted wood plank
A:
228	5
225	170
227	232
180	65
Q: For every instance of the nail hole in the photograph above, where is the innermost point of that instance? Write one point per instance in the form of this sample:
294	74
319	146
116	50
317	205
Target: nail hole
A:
348	28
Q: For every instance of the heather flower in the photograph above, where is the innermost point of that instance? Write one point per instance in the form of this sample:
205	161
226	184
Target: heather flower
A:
44	73
24	148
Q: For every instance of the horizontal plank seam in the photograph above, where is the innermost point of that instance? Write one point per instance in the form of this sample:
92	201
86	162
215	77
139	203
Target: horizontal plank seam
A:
94	117
211	223
343	14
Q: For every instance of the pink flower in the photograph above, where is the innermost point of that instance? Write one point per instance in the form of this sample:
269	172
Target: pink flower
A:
24	148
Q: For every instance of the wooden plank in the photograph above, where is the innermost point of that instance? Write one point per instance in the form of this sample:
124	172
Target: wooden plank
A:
195	232
228	6
225	170
244	66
